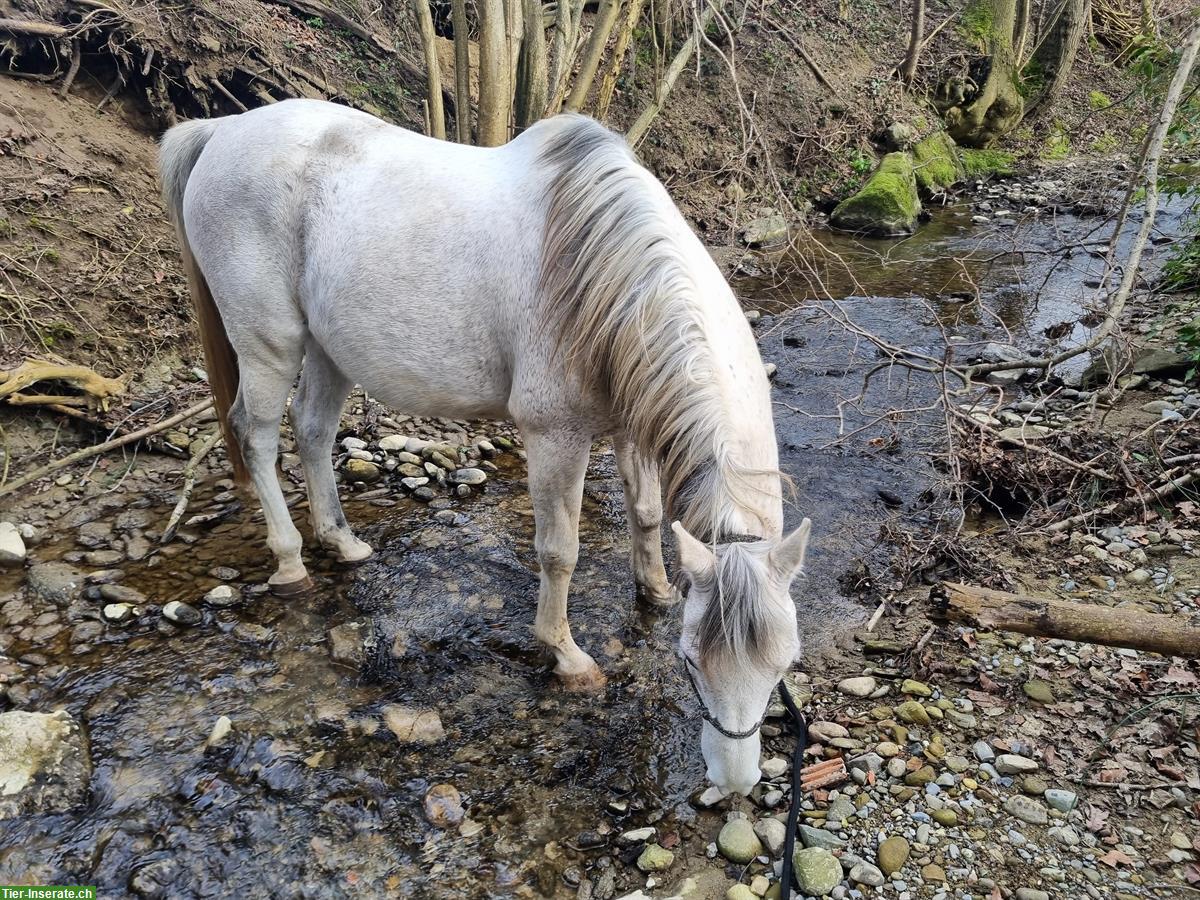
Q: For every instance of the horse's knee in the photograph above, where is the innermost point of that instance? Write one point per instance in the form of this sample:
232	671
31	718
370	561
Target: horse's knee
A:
647	514
558	560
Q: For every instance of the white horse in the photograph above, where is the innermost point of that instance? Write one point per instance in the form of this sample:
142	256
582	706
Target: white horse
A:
550	281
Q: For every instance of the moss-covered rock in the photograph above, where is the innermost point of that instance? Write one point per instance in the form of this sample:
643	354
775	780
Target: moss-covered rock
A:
936	163
981	163
888	203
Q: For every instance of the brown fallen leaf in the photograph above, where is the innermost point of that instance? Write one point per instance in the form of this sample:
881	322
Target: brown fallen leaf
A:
1114	858
1097	818
1112	776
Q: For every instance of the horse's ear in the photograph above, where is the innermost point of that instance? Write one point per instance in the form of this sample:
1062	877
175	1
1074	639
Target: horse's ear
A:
787	559
694	558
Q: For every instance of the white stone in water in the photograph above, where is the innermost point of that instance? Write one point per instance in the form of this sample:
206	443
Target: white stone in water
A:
414	726
220	729
394	443
637	836
353	443
118	612
181	613
12	545
711	796
468	476
221	595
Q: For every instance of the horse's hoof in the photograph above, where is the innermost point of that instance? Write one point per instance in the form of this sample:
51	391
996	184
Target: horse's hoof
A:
658	597
360	553
589	681
290	588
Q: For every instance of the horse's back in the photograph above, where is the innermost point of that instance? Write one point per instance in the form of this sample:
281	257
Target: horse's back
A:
412	262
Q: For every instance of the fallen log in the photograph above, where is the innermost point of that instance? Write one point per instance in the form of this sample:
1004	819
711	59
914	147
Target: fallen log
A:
1087	623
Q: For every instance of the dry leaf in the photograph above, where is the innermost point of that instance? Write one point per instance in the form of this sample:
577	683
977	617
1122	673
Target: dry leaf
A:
1114	858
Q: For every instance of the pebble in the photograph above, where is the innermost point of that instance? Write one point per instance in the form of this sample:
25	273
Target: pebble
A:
12	545
775	766
1014	764
1063	801
863	686
823	732
817	871
655	859
468	476
443	806
892	854
220	730
413	726
118	613
737	841
1027	810
221	596
819	837
637	836
913	712
180	613
772	833
865	873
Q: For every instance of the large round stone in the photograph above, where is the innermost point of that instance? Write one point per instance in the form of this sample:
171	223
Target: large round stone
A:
737	841
817	871
892	854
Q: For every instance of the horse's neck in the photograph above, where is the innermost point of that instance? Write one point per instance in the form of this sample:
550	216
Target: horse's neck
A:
744	494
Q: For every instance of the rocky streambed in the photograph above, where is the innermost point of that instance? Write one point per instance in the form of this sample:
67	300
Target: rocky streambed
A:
398	732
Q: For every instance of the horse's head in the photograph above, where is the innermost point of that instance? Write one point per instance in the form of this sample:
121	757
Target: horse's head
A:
739	639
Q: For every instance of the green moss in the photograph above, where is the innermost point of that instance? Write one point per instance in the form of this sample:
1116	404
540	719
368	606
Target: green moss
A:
888	203
1099	100
1058	144
936	163
1106	143
980	163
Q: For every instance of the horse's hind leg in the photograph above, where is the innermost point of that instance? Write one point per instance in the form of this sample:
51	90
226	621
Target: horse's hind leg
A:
266	369
557	465
314	413
643	509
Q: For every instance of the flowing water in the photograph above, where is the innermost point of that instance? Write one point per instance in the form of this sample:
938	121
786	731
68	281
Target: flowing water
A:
311	796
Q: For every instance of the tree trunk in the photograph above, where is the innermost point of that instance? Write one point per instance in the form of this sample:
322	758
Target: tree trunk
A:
566	28
602	27
609	83
664	24
433	76
1054	55
531	73
1149	23
909	69
639	128
1021	31
987	104
495	93
462	70
1084	622
514	33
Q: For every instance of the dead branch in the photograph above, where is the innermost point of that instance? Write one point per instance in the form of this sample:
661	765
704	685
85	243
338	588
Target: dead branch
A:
189	484
31	28
812	64
73	70
606	18
98	388
1086	623
89	452
225	92
1140	499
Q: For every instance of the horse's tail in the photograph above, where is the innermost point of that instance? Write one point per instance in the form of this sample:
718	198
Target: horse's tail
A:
181	147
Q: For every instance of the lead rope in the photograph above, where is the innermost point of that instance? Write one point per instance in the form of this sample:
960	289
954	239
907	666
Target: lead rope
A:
789	835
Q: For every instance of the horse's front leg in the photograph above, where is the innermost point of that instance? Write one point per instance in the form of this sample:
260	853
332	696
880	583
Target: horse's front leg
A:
643	509
557	465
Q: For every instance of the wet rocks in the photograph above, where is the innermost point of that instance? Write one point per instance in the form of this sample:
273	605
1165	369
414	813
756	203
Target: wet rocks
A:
471	477
443	806
634	836
892	854
12	545
655	859
768	229
179	613
346	643
737	841
57	582
221	596
44	764
119	593
817	871
413	726
362	470
119	613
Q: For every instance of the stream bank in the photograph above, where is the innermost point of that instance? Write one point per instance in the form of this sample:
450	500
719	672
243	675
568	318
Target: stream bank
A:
347	708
